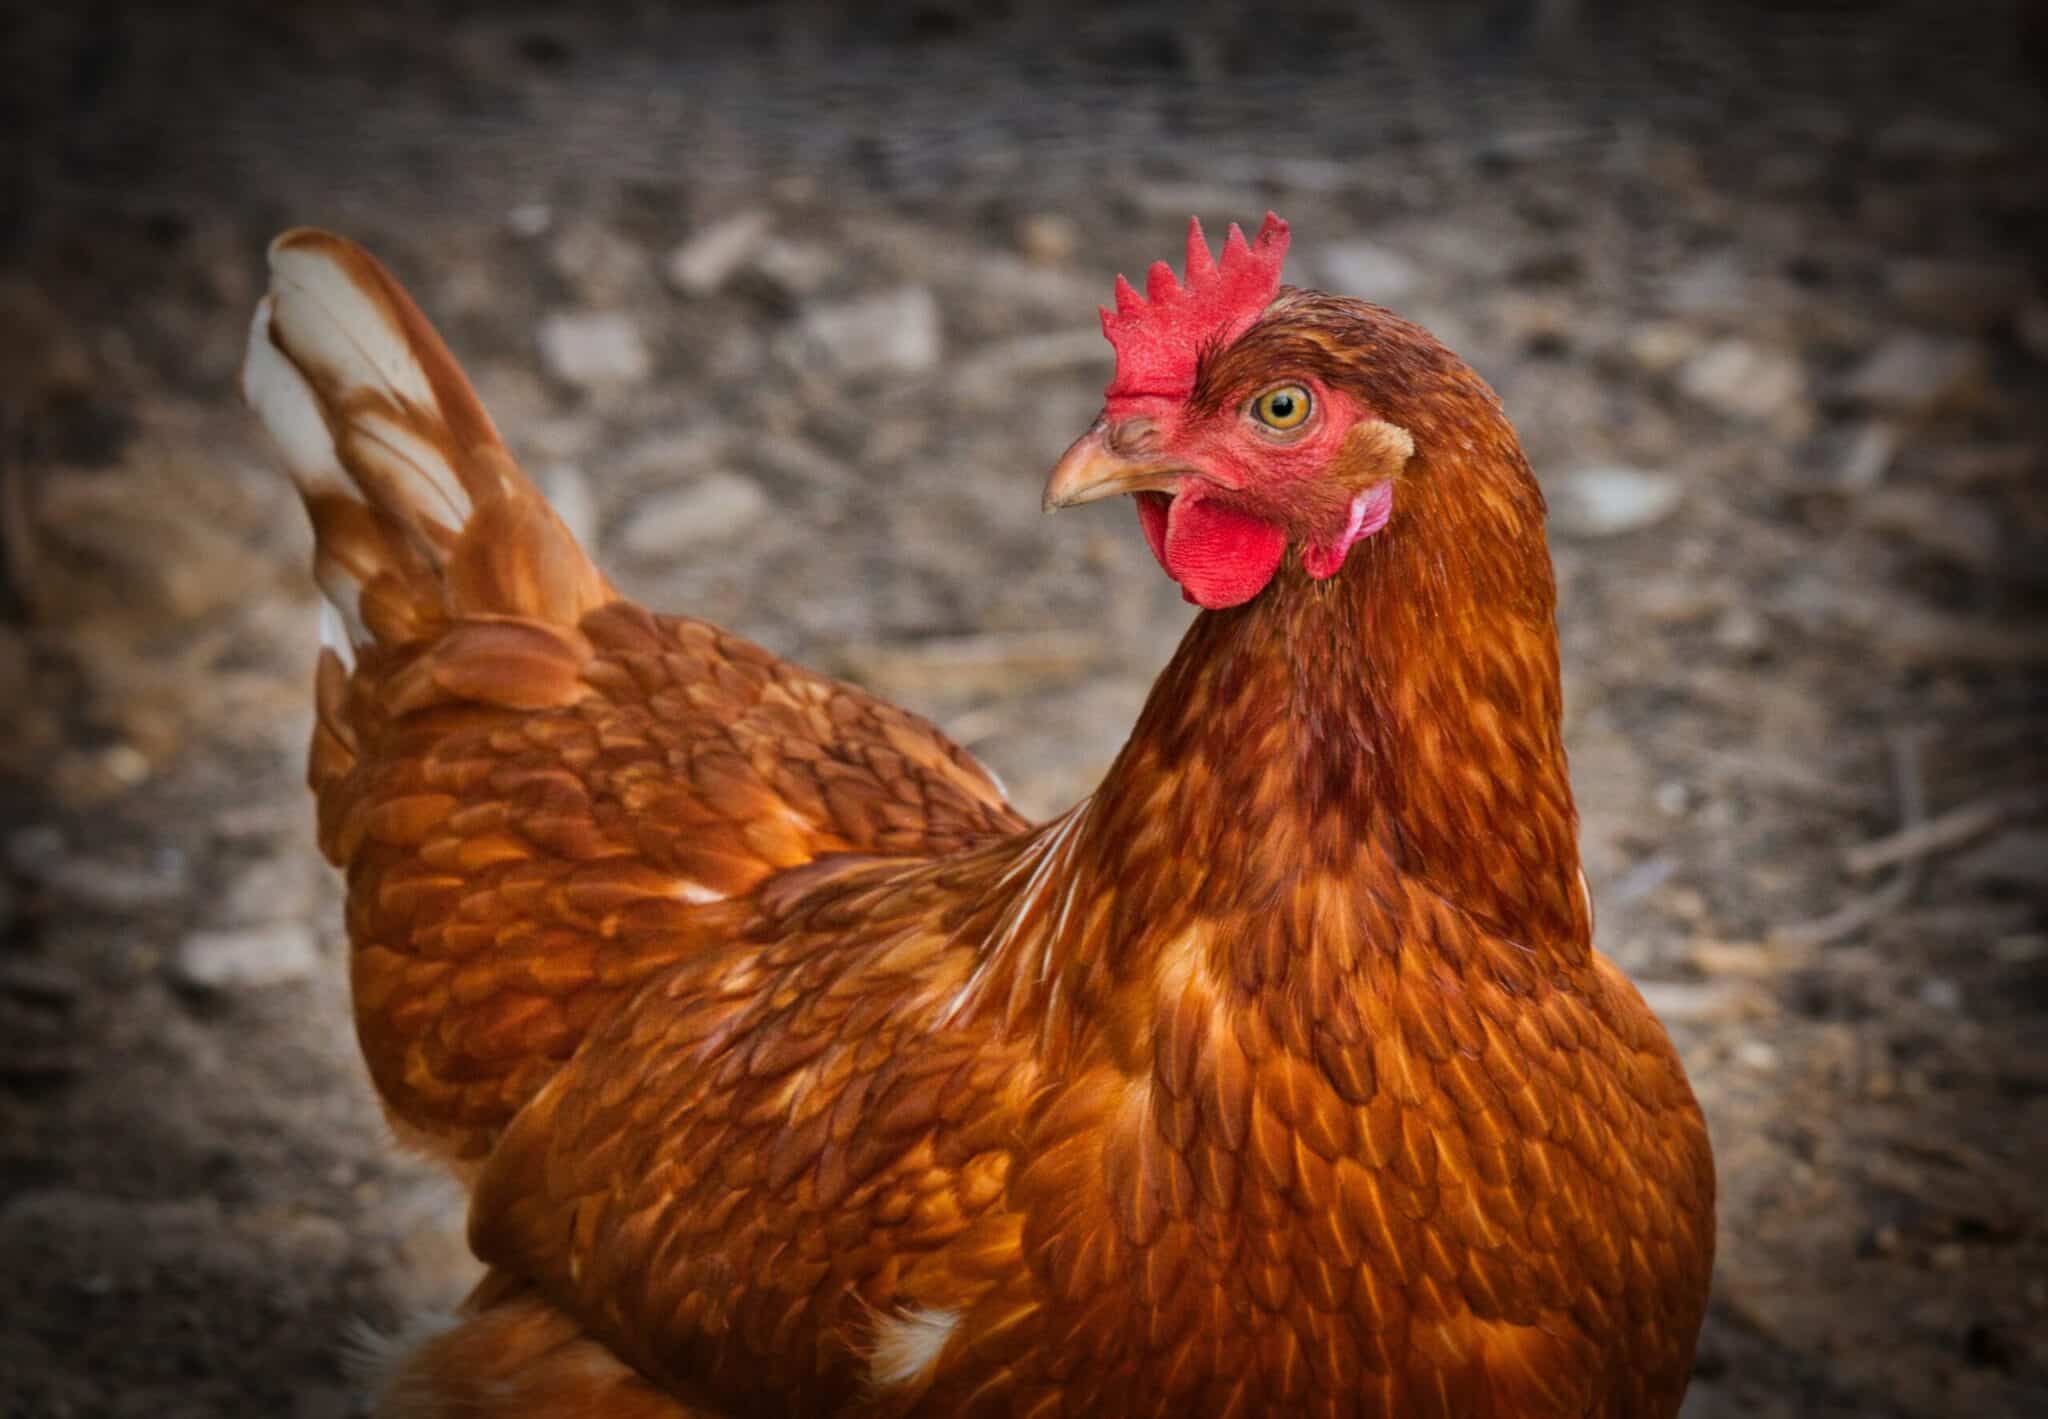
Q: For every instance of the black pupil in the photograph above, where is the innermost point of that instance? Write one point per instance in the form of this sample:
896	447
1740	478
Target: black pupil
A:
1281	406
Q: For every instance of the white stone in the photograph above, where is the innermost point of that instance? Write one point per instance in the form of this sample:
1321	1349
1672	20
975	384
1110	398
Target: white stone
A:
602	266
249	957
800	268
895	332
1941	993
594	349
530	219
1611	499
268	888
1742	380
702	265
713	506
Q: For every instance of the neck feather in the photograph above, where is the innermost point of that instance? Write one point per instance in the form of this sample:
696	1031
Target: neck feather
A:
1394	729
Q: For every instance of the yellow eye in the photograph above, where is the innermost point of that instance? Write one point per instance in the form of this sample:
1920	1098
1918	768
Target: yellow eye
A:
1282	408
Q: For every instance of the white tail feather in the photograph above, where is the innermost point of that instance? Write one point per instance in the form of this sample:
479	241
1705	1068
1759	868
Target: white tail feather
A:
290	411
328	321
419	511
320	326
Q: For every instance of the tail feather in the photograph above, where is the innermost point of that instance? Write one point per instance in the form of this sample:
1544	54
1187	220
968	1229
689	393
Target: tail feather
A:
420	514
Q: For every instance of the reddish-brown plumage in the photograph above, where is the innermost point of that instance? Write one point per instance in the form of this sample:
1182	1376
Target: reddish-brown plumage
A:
796	1072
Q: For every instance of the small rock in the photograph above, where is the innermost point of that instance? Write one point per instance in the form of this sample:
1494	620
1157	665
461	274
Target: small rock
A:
268	889
1757	1055
530	219
1741	631
125	764
1941	993
1917	375
568	493
1735	958
250	957
604	268
1661	346
1673	798
1368	271
715	505
1743	381
897	331
594	349
1048	238
1688	1000
1709	288
1609	500
799	268
702	265
1870	457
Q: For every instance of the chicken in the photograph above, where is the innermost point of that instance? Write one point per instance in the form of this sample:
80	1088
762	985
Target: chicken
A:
793	1072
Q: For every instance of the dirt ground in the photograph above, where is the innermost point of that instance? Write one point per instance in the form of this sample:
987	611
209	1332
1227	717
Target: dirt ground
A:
792	309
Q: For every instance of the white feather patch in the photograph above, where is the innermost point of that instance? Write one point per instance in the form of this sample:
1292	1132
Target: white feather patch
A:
345	596
327	320
335	635
375	1358
415	467
290	413
907	1346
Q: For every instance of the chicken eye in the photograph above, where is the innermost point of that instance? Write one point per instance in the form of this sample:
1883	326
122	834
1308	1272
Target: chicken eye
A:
1282	408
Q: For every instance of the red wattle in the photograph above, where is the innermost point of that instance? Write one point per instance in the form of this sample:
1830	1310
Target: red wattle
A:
1152	519
1219	556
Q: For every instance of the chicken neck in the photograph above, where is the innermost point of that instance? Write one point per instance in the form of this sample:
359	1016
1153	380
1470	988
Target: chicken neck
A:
1400	720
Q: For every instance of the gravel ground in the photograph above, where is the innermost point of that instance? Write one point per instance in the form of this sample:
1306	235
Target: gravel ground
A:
791	311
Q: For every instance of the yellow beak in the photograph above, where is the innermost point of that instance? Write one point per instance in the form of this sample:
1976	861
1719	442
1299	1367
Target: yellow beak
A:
1108	460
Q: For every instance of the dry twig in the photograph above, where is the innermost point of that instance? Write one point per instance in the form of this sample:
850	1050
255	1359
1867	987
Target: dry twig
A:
1859	912
1960	824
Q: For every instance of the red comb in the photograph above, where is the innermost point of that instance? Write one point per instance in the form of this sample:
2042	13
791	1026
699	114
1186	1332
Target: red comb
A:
1158	341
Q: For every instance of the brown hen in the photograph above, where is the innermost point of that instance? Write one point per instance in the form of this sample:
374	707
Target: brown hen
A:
795	1074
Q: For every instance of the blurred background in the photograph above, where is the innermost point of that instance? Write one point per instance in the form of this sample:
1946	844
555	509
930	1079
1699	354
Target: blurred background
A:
791	307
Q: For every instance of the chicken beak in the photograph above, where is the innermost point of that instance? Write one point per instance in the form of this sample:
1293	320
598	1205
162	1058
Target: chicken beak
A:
1108	460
